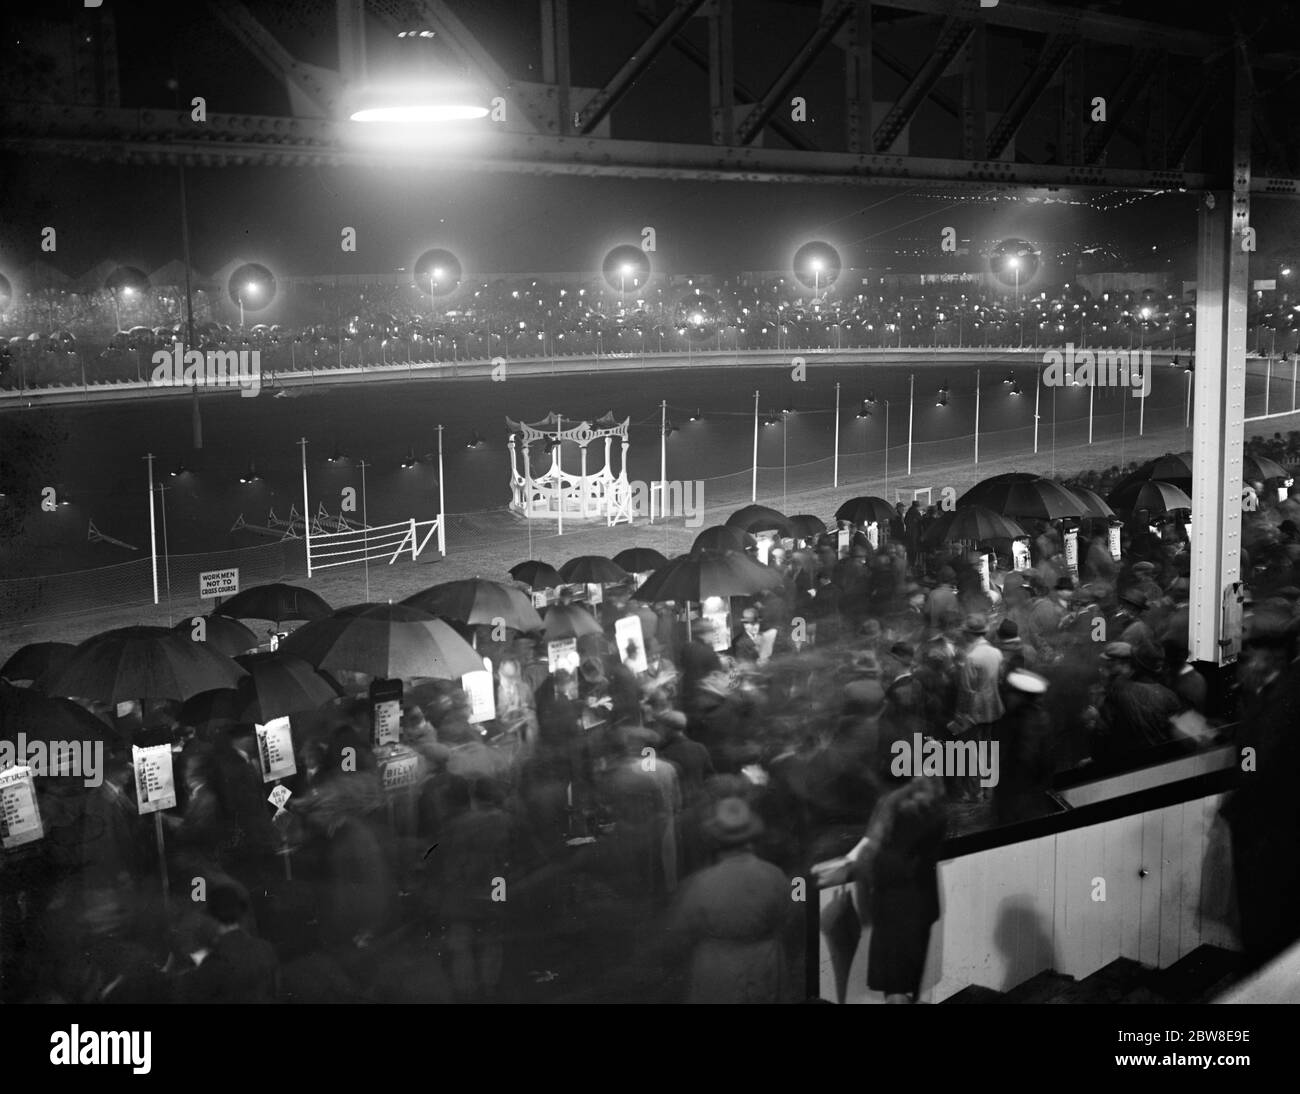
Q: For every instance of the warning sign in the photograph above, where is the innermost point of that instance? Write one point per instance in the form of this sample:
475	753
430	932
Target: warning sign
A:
215	583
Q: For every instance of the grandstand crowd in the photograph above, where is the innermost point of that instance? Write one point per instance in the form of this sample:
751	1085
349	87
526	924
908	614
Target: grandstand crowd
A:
51	336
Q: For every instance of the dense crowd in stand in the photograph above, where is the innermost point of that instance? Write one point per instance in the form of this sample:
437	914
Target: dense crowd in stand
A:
620	834
52	336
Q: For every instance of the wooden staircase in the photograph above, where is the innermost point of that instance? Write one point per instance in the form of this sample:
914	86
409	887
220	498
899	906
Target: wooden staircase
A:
1200	977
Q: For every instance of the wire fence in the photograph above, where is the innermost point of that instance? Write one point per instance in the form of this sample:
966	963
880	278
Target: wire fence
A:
130	584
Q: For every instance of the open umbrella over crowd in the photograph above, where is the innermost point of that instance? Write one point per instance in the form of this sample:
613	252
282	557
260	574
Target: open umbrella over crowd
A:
536	575
1023	495
384	640
478	602
275	602
131	663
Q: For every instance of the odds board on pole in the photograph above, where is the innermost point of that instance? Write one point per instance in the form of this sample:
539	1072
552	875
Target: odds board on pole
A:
275	750
386	711
631	642
478	688
20	818
155	779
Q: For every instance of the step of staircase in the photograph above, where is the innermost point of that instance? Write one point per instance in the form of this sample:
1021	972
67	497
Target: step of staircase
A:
975	993
1199	977
1042	988
1107	985
1206	969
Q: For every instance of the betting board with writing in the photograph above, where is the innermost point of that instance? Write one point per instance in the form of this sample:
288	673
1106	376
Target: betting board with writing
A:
562	654
388	718
155	780
478	688
631	642
275	750
399	768
20	819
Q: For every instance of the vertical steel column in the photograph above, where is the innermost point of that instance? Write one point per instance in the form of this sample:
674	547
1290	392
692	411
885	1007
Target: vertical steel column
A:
1219	407
857	78
722	79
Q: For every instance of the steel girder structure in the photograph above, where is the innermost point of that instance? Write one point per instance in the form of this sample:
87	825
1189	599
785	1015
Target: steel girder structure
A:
558	128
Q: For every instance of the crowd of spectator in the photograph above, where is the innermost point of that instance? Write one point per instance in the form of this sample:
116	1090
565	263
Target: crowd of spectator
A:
57	337
614	833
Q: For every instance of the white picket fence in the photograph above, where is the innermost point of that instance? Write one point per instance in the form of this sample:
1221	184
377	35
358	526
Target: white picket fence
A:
384	541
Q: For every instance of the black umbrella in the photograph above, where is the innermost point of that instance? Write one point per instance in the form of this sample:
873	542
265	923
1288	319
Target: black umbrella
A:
593	570
974	523
1019	494
386	640
1097	507
1261	469
223	634
703	574
759	518
723	538
40	718
536	575
1174	468
141	663
866	510
36	659
277	684
807	526
478	602
1154	496
640	560
276	602
568	621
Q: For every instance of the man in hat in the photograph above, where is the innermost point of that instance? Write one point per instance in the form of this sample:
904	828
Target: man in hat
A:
643	796
733	917
1080	624
1048	611
1263	814
912	531
943	597
1134	713
1016	652
979	703
238	968
1126	623
1024	734
1146	577
660	674
694	766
